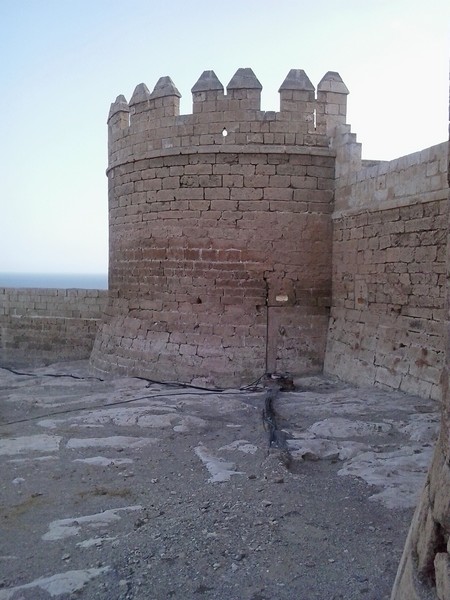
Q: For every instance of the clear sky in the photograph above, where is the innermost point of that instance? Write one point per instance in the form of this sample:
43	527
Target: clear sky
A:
64	61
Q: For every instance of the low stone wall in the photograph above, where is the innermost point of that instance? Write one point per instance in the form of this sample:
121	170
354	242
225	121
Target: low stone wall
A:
38	326
389	264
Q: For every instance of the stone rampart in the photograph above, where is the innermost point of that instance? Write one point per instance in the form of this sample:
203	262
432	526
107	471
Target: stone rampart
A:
44	325
389	265
220	230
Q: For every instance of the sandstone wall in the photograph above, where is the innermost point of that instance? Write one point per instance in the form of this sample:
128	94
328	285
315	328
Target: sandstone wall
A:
220	245
44	325
389	274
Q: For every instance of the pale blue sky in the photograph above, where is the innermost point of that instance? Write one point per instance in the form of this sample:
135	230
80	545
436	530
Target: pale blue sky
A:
64	61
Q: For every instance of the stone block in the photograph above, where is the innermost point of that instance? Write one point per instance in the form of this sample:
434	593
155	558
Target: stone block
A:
272	194
235	180
246	194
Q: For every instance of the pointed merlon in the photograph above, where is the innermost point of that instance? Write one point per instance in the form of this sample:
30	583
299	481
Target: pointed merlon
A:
141	94
165	87
120	105
297	79
244	79
332	82
207	82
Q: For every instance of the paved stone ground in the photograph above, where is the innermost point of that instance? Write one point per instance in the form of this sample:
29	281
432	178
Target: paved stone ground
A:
123	489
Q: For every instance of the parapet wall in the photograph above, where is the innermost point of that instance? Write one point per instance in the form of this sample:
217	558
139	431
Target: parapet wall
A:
44	325
389	265
220	245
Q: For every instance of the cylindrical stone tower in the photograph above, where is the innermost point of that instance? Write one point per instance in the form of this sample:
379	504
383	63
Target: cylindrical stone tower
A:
220	230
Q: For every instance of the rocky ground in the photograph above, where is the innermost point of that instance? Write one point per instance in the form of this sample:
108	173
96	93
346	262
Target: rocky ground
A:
125	489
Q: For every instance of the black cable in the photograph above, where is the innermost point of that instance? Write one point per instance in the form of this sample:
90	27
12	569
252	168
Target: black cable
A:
106	405
180	384
251	387
216	390
83	408
49	374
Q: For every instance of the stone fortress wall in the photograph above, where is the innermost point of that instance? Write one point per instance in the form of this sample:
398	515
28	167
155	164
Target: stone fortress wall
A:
424	570
389	274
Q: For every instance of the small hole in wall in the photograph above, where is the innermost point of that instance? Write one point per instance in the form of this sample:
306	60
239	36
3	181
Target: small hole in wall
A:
315	118
224	132
199	301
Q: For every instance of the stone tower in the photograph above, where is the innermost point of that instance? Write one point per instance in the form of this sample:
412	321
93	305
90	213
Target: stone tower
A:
220	230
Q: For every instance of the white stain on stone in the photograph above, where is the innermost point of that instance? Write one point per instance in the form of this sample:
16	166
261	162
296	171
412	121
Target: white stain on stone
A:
63	528
141	416
399	474
339	427
122	416
31	443
242	446
50	423
103	461
57	423
157	421
219	469
33	458
98	542
117	441
318	449
189	423
56	585
421	427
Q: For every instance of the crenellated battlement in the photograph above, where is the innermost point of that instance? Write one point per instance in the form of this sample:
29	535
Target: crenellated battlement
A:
151	121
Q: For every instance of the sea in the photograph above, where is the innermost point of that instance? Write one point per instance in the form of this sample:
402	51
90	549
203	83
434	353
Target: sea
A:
98	281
